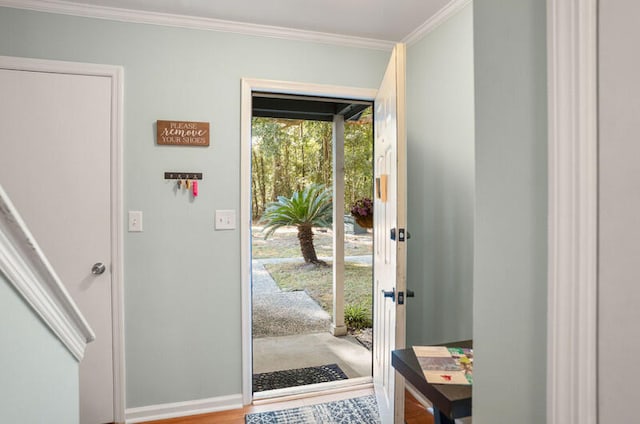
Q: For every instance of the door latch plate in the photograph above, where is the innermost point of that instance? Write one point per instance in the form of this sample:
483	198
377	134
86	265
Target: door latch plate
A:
401	234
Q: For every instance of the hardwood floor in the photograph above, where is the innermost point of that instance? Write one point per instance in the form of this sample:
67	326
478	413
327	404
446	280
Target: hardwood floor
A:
414	411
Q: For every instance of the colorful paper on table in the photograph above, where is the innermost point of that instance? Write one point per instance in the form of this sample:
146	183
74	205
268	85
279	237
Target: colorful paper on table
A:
442	365
464	359
443	377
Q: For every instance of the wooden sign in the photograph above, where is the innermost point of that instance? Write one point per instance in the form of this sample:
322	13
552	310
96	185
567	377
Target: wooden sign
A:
183	133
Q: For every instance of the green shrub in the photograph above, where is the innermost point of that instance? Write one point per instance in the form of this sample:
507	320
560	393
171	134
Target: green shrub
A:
356	316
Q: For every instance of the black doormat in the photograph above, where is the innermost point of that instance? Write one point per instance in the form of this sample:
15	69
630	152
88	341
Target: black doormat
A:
298	377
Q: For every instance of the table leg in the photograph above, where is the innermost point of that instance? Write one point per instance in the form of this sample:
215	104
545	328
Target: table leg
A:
440	418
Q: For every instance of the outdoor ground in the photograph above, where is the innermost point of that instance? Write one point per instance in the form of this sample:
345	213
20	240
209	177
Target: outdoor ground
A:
317	280
284	243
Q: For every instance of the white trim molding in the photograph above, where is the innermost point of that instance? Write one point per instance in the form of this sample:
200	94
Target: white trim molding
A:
248	86
117	240
116	75
194	22
573	226
25	266
183	409
447	12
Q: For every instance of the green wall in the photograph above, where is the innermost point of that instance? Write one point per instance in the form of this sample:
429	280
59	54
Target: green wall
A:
440	132
182	278
618	208
39	379
510	275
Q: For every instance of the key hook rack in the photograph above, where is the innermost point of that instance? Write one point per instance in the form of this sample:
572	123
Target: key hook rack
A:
183	175
186	180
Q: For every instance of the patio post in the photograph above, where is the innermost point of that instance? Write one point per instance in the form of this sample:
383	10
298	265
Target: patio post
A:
338	327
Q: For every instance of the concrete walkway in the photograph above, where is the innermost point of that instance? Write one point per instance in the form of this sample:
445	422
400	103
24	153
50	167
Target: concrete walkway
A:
290	330
310	350
282	313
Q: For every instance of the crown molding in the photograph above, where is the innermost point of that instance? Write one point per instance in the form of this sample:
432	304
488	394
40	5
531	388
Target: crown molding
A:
440	17
25	266
193	22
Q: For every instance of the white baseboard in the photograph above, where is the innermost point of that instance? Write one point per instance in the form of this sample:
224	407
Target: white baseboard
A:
182	409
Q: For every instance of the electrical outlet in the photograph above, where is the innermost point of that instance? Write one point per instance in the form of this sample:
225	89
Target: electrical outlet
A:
225	220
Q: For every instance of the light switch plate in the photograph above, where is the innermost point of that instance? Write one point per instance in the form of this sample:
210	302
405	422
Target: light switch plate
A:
135	221
226	219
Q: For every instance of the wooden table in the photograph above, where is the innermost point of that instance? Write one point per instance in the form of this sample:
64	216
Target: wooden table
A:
450	401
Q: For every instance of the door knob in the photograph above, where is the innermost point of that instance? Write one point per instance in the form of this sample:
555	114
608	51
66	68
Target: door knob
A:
98	268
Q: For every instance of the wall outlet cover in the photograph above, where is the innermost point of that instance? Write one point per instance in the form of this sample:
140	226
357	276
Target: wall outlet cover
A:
135	221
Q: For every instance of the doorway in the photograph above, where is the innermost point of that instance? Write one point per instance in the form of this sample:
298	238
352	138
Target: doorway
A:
275	101
299	275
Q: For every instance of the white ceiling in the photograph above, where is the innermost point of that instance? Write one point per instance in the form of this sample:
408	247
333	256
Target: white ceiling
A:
389	20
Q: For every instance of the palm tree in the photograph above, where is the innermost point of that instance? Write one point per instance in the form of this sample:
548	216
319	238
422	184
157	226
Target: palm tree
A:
305	209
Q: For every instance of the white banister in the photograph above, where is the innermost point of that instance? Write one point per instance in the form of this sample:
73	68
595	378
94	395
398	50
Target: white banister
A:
25	266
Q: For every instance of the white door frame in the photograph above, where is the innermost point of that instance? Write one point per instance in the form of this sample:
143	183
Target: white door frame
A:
248	86
572	321
116	74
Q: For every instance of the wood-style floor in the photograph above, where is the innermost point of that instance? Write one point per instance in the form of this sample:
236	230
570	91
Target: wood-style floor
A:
414	412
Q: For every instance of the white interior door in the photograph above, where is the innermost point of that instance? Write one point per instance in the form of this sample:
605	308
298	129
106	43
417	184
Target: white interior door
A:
56	167
390	251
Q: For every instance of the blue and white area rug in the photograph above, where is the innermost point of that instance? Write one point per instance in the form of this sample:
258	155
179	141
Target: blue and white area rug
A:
362	410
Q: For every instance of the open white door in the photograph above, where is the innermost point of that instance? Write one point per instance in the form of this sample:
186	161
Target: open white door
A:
389	270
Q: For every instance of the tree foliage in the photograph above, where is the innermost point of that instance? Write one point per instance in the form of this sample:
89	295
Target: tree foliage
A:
305	209
288	155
